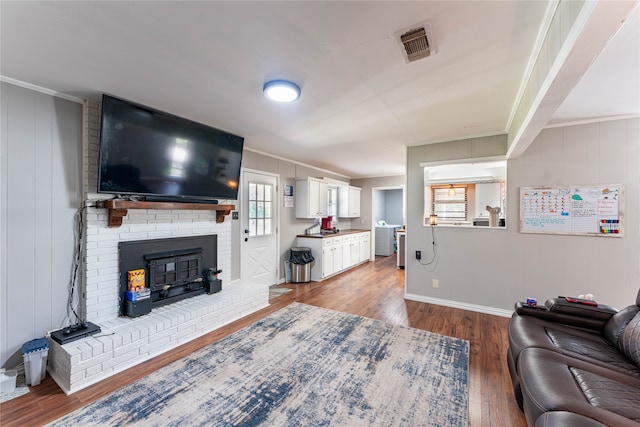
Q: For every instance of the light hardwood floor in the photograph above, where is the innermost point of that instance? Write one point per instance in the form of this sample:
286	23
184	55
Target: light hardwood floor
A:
374	290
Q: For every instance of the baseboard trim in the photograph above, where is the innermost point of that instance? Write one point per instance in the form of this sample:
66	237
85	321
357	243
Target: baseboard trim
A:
462	305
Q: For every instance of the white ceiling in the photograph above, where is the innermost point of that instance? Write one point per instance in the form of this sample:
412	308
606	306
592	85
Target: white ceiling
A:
361	104
611	86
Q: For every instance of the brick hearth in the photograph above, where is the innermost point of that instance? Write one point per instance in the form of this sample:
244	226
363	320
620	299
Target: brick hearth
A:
125	342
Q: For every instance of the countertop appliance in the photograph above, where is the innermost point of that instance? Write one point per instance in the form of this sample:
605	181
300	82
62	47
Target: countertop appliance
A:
326	223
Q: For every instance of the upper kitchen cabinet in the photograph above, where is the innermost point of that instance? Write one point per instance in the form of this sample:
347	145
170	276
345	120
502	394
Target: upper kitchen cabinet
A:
311	198
348	202
488	194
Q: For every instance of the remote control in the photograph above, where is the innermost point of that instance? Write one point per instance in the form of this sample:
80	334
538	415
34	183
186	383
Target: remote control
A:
581	301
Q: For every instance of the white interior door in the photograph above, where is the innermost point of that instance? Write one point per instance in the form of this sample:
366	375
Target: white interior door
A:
259	228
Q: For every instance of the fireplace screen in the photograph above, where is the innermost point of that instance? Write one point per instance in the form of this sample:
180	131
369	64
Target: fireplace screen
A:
174	271
176	267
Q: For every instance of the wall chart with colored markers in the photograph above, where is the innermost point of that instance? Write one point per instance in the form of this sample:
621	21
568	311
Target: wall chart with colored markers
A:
579	209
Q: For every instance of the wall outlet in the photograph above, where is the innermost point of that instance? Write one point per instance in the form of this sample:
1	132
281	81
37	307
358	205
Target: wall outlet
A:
418	255
435	283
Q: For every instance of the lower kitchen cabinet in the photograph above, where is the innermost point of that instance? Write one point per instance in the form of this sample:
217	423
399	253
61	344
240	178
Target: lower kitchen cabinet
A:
336	253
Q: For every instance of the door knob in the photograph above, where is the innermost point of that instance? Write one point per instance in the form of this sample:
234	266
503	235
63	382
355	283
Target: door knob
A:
246	231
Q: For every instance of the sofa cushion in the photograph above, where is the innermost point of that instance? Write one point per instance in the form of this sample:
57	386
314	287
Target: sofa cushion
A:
553	382
604	393
615	326
527	331
629	341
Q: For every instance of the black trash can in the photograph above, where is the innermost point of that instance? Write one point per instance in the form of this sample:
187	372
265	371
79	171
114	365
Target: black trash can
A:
300	260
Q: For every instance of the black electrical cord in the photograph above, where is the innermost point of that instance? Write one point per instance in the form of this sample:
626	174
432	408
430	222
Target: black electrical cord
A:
77	261
434	258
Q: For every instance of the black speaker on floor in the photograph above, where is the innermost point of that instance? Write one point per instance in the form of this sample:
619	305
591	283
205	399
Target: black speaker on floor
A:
214	286
138	308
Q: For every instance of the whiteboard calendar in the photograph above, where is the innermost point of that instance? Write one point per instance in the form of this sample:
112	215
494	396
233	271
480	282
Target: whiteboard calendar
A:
582	210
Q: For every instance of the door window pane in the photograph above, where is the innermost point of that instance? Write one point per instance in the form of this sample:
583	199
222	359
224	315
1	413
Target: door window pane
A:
260	209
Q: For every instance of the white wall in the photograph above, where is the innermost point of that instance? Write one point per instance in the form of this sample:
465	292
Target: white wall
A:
387	206
493	268
367	216
393	206
40	190
379	205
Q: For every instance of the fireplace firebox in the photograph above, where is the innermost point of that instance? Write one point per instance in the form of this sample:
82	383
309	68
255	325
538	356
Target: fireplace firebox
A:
174	268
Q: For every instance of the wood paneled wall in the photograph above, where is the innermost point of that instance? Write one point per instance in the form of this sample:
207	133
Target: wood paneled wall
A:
40	191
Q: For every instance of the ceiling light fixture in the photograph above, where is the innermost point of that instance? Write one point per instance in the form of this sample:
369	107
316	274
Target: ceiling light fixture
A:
281	90
452	191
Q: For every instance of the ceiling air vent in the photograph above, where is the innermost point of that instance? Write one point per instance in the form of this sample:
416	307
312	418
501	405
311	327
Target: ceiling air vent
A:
415	44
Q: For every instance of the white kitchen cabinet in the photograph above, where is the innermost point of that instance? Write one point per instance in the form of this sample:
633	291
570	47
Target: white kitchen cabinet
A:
487	194
365	246
331	256
348	202
351	250
354	252
346	250
311	198
335	254
327	262
356	248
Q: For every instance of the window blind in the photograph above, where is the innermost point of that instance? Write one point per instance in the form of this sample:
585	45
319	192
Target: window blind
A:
449	207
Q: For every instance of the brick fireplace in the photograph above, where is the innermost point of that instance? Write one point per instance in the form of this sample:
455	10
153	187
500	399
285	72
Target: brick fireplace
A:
125	342
102	279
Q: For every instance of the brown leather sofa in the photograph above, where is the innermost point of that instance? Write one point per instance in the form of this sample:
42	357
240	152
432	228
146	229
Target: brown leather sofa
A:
573	364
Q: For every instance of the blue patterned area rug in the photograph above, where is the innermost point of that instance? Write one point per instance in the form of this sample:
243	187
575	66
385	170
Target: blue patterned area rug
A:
301	366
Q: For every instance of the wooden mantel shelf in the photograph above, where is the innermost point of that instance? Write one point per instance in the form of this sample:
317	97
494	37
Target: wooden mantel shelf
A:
119	208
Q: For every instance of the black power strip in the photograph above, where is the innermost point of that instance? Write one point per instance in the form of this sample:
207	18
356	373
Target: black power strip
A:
75	332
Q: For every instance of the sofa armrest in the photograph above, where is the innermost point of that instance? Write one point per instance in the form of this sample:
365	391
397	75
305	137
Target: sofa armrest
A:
594	318
596	312
523	308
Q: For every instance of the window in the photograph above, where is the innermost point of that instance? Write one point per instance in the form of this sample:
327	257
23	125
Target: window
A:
332	201
474	184
260	205
449	203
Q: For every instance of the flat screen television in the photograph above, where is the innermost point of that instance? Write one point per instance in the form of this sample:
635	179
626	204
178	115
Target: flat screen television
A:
159	156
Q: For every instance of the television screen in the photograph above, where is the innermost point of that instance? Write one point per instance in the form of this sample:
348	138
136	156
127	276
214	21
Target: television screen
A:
146	152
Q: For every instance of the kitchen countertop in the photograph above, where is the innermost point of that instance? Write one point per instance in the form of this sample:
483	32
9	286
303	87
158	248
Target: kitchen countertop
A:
327	235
